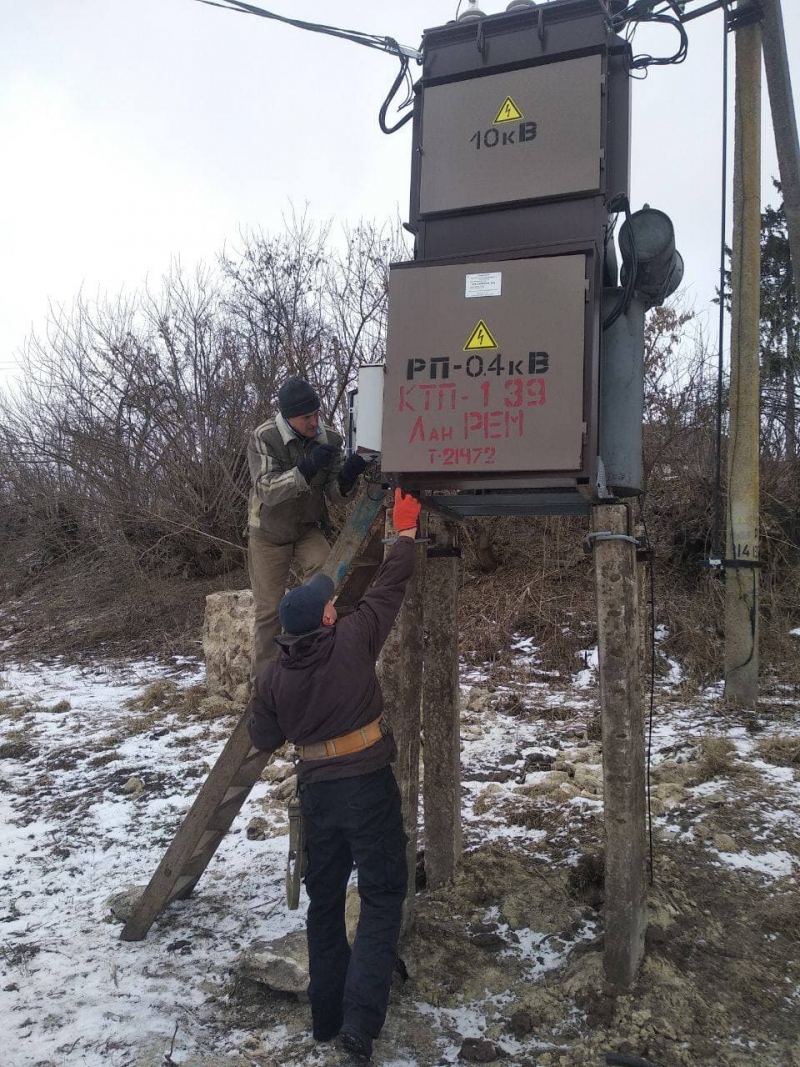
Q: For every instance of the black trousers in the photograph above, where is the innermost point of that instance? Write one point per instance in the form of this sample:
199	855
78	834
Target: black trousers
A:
353	820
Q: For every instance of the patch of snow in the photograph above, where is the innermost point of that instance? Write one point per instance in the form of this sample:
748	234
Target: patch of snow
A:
524	645
779	775
71	838
546	952
778	864
469	1021
675	674
707	789
587	678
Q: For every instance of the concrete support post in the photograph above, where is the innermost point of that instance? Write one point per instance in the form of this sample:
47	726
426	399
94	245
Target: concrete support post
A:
741	515
441	708
400	674
622	718
784	123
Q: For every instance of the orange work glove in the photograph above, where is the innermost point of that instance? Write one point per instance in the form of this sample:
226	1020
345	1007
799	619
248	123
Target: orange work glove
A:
406	511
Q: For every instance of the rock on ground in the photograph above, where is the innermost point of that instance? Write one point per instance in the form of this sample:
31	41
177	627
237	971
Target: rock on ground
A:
228	643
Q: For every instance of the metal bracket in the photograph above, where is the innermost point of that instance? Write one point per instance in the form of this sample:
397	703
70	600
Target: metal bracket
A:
606	15
733	564
444	553
745	16
607	535
408	52
541	29
480	39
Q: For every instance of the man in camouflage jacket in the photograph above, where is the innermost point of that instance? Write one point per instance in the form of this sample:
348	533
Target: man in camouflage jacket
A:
296	464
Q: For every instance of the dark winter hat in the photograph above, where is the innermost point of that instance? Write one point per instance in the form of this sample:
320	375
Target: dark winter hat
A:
296	397
302	608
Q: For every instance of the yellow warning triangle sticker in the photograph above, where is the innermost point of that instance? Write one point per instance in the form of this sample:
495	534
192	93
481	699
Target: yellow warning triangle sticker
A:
480	338
509	112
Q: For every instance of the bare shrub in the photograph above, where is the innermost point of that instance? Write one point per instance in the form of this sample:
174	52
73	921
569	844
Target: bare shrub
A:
541	587
123	473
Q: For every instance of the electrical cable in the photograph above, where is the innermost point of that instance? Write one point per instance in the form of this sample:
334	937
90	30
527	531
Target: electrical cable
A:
643	12
630	33
652	576
646	60
368	40
392	93
716	530
606	15
614	205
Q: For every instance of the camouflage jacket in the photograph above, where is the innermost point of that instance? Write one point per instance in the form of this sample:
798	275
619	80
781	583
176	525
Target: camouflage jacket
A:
283	505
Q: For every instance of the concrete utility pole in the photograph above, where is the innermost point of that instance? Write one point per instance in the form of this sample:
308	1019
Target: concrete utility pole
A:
741	515
622	724
784	123
440	708
400	673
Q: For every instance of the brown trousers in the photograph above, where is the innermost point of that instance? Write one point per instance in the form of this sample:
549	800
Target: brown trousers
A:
269	566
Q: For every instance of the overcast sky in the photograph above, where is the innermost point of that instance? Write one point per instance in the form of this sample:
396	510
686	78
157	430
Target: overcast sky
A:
134	131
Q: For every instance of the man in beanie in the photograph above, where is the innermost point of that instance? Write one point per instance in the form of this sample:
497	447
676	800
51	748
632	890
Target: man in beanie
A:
321	693
296	464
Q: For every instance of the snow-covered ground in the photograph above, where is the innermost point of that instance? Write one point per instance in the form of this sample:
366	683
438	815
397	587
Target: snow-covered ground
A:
97	769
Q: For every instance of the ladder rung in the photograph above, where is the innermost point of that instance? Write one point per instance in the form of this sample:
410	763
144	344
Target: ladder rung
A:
183	883
194	867
233	792
222	818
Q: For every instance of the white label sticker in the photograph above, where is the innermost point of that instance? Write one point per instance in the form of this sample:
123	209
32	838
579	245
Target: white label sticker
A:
484	285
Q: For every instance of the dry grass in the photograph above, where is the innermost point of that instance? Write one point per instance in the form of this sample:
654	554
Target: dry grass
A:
101	603
484	802
193	697
588	875
781	749
104	758
717	759
17	745
542	588
528	815
13	710
163	695
216	707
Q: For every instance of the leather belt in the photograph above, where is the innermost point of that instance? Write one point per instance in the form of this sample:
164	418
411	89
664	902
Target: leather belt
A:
347	744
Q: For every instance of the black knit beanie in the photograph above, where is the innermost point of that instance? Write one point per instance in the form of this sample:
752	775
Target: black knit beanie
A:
296	397
302	608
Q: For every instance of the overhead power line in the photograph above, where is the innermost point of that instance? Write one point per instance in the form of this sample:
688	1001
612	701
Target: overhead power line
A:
369	40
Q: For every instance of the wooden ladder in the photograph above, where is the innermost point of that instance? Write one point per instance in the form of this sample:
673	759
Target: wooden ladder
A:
354	559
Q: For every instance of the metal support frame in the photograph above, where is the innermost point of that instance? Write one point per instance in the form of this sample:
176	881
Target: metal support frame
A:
569	502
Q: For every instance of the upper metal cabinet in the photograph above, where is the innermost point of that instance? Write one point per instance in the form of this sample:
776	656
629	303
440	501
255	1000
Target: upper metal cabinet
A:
521	130
513	136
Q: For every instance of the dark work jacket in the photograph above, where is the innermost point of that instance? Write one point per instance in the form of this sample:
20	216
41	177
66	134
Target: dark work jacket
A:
323	684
